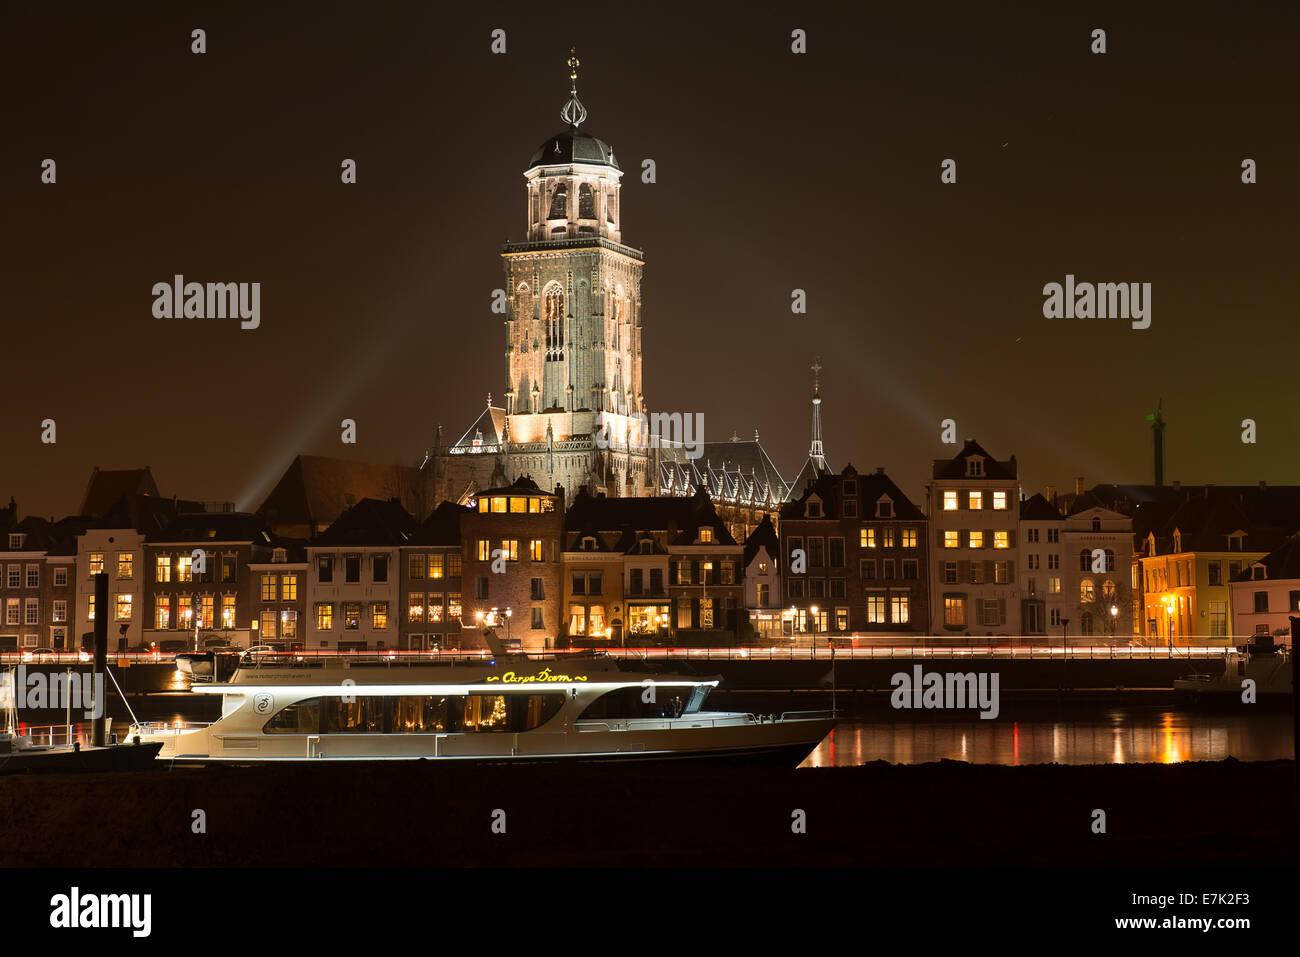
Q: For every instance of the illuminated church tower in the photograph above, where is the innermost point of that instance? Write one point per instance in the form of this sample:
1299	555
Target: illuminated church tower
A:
573	332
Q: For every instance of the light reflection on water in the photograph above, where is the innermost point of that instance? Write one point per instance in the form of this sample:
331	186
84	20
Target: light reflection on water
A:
1119	736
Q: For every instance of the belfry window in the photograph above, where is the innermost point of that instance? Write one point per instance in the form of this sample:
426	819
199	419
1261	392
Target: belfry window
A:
559	203
586	202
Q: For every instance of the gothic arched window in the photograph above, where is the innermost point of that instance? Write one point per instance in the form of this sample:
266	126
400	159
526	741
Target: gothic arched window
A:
586	202
553	316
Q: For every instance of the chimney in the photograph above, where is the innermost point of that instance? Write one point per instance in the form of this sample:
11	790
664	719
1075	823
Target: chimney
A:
880	470
1078	485
1177	485
1051	494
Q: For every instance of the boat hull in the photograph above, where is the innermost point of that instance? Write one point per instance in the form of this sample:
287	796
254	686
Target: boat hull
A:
87	760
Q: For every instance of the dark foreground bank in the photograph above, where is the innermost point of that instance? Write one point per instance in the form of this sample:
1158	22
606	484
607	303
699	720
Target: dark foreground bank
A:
945	814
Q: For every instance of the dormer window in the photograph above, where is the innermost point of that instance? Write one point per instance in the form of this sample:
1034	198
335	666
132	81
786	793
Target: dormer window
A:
975	466
1096	523
706	536
814	508
1235	541
1259	573
280	555
647	546
16	540
884	508
589	543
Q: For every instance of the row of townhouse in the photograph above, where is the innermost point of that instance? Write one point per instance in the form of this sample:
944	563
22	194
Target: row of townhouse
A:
852	555
859	557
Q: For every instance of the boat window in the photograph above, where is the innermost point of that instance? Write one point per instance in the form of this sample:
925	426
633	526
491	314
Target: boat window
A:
417	714
302	717
638	702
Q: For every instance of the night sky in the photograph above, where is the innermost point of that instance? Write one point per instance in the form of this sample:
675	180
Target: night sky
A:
775	172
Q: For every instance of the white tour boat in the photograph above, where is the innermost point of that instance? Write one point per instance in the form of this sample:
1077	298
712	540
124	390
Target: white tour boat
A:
511	710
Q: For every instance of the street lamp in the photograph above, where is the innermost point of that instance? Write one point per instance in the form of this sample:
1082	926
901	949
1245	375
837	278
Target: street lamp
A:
1114	621
813	612
509	612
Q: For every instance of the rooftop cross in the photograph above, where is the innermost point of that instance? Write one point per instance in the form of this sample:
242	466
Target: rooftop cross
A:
574	112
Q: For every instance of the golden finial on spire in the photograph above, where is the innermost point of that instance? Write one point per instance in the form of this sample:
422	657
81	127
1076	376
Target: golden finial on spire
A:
574	112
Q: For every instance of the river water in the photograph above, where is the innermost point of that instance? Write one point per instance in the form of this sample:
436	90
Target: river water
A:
1023	733
1117	735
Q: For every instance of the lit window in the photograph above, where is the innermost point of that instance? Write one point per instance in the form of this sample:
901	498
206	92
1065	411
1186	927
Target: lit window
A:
899	607
324	615
435	566
867	538
125	565
227	611
351	615
951	539
535	550
976	539
950	500
379	614
510	549
887	538
268	588
268	624
999	500
1087	592
184	569
909	538
163	568
289	588
976	500
1053	586
1001	539
876	610
484	550
954	612
518	504
415	606
184	611
288	624
96	563
207	612
706	535
162	612
124	607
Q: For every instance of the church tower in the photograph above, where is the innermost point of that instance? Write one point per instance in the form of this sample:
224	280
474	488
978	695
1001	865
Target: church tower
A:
573	330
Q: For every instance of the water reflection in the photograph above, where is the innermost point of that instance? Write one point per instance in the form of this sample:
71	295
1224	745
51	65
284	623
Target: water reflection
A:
1119	736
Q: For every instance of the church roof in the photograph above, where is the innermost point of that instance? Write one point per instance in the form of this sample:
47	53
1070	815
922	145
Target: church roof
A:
491	423
812	470
572	146
315	490
107	486
730	471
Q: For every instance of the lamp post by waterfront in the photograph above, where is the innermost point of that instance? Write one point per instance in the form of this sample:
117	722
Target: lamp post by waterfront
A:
813	611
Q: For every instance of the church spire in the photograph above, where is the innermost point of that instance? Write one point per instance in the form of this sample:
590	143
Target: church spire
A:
574	112
815	451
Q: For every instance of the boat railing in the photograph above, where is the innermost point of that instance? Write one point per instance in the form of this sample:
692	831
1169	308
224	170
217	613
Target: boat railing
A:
58	735
169	727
